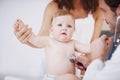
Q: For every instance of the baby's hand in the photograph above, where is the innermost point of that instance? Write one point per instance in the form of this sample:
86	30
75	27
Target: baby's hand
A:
22	31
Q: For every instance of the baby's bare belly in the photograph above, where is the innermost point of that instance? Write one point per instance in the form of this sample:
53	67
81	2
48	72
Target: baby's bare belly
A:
60	67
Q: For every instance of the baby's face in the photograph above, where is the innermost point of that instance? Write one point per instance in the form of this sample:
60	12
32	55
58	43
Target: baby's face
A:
63	28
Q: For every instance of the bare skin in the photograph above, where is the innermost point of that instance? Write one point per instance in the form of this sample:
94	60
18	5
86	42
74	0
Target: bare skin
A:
51	9
78	12
59	47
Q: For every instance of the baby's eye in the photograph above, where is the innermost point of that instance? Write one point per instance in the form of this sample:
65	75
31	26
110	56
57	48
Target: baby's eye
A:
69	26
59	25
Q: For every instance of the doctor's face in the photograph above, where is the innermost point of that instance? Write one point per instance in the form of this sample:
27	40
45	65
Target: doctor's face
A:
109	15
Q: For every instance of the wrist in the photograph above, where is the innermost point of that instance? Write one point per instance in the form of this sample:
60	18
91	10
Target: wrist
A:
31	37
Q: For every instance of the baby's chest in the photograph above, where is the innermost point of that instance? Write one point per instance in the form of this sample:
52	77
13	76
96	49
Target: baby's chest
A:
64	46
62	49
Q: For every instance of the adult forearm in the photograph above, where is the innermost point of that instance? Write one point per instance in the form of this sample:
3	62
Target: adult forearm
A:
31	45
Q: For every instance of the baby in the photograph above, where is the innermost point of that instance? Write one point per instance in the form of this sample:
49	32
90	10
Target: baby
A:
59	46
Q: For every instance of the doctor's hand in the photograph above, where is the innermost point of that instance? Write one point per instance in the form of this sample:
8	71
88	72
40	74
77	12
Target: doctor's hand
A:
82	62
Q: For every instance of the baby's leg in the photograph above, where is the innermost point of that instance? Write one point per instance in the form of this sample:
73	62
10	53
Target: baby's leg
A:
67	77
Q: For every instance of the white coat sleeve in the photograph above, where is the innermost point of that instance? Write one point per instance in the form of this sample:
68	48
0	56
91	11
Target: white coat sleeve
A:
93	69
110	70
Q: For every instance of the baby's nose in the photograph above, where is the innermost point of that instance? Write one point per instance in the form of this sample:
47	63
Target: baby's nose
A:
64	28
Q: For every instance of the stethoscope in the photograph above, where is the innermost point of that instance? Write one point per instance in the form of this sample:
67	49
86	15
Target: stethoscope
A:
114	39
72	57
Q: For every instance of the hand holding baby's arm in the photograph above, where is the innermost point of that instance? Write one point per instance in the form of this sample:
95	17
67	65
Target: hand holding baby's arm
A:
25	35
21	31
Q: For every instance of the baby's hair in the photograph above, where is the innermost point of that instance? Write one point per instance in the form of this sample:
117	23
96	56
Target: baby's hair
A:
62	13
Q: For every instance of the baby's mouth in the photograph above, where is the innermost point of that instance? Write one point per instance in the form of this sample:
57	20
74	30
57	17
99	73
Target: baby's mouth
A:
64	33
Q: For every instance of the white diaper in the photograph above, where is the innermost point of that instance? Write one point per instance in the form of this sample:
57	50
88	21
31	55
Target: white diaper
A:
49	77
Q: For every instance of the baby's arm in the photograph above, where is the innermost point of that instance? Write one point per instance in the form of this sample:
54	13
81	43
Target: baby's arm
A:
82	48
25	35
38	41
85	59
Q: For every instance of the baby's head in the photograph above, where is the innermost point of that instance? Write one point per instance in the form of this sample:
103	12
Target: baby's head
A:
63	26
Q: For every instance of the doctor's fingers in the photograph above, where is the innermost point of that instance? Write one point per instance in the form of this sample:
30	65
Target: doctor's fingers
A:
84	60
79	67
